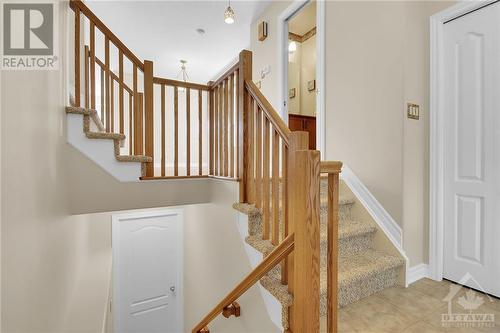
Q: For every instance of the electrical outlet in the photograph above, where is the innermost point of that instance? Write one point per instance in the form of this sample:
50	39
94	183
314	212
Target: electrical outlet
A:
413	111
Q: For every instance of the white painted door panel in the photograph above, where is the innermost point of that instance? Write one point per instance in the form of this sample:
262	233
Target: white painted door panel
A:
147	272
472	149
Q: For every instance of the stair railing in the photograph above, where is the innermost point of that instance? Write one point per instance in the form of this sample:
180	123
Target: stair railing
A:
138	104
281	177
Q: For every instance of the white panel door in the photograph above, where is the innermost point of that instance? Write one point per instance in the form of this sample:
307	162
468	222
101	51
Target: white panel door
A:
472	149
147	264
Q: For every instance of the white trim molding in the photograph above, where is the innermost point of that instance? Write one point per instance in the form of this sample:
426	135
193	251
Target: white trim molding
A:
383	219
437	121
416	273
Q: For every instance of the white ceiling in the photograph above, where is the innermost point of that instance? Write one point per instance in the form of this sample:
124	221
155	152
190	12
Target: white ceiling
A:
304	20
165	32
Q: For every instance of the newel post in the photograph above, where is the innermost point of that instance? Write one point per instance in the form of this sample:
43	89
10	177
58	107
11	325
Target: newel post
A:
148	116
304	205
245	73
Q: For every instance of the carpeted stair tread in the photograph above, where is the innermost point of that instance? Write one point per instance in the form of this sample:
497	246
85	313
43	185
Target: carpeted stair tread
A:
350	228
87	112
245	208
104	135
134	158
277	289
264	246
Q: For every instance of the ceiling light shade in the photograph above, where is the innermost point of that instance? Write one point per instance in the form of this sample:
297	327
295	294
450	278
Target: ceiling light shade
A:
292	47
229	15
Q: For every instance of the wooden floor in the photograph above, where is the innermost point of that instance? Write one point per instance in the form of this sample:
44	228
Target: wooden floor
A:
416	309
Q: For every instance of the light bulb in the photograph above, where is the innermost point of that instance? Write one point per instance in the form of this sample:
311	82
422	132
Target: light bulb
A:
229	15
292	47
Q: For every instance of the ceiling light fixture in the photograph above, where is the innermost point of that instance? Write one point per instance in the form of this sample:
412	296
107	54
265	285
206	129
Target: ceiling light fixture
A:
229	14
292	47
183	75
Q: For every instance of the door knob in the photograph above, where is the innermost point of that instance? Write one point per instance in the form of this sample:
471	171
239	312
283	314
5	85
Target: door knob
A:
172	289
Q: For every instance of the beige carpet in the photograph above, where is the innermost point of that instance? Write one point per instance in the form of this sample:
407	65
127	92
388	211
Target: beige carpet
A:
362	270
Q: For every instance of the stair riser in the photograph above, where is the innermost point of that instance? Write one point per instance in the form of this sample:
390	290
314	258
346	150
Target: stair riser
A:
348	246
255	221
356	290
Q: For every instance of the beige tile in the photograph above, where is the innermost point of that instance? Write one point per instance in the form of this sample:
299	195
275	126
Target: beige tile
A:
374	314
435	319
411	301
435	289
421	327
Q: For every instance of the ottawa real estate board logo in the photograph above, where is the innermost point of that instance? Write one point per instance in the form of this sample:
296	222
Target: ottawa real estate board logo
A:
29	40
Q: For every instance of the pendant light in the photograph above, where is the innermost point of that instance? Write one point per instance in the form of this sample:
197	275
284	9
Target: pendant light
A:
229	14
183	75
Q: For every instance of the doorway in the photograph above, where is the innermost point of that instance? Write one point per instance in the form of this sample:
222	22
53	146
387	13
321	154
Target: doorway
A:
302	71
465	141
147	272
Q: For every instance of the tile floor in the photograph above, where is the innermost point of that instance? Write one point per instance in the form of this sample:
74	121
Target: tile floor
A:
416	309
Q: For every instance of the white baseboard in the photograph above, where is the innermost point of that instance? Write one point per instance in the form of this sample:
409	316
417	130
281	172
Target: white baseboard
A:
416	273
383	219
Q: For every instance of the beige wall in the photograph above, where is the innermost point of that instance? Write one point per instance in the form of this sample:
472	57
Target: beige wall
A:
301	69
373	70
266	53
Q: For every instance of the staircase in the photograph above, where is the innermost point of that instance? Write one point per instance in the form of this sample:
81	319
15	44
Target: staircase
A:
316	254
363	270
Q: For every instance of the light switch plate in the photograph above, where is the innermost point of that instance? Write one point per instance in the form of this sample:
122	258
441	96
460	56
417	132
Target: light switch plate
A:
413	111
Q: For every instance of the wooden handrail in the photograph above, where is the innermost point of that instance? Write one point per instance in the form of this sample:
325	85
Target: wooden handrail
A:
105	30
330	166
225	75
269	111
176	83
274	258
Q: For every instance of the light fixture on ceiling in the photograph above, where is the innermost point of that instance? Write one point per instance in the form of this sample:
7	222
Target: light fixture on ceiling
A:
229	14
292	47
183	75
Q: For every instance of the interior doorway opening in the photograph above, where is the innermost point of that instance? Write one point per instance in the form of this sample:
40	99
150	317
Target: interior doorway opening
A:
301	68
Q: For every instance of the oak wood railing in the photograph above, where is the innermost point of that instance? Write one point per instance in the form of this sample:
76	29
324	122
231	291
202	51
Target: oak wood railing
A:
134	102
281	177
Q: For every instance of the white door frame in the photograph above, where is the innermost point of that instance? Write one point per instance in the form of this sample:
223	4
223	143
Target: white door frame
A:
320	66
437	124
117	218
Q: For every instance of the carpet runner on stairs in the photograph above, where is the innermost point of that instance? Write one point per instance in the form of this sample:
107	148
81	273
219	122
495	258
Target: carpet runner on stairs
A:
363	271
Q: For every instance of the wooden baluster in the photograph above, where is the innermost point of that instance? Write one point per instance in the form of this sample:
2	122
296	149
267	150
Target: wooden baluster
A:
149	116
130	123
77	56
138	129
106	68
298	141
249	165
284	204
221	129
112	107
237	124
92	65
275	187
87	74
103	120
211	128
245	146
226	128
200	133
216	131
176	132
332	259
137	133
121	100
266	228
231	126
258	158
188	131
305	206
163	159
